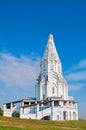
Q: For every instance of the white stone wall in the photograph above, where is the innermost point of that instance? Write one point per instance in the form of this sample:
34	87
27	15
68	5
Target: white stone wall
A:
8	112
25	113
55	112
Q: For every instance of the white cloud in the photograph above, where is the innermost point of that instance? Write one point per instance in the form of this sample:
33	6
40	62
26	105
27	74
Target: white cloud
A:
22	72
76	75
76	86
18	71
82	64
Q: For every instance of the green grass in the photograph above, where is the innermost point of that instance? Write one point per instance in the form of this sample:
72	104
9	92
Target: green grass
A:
7	123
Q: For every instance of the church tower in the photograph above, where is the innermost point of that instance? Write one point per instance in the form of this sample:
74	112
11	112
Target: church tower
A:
50	82
52	101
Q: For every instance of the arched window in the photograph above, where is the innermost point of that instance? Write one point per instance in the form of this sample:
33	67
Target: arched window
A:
43	96
59	69
53	90
51	64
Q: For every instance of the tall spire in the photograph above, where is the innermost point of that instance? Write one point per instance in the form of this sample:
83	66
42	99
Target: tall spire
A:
50	51
50	38
51	81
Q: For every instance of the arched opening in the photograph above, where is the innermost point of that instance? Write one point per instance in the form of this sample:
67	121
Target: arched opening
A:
16	114
58	117
69	115
46	117
74	115
65	115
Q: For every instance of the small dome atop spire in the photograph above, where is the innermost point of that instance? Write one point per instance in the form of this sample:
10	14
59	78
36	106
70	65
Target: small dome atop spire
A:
50	37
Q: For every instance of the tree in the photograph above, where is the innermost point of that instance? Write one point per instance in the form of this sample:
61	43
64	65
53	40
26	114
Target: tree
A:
16	114
1	112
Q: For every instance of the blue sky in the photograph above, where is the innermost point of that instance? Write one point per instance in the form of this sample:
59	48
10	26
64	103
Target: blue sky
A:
24	29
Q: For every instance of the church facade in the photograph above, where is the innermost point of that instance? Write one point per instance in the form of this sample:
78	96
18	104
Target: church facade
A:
52	101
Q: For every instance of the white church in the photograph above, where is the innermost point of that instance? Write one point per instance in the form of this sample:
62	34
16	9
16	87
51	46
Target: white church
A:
52	101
